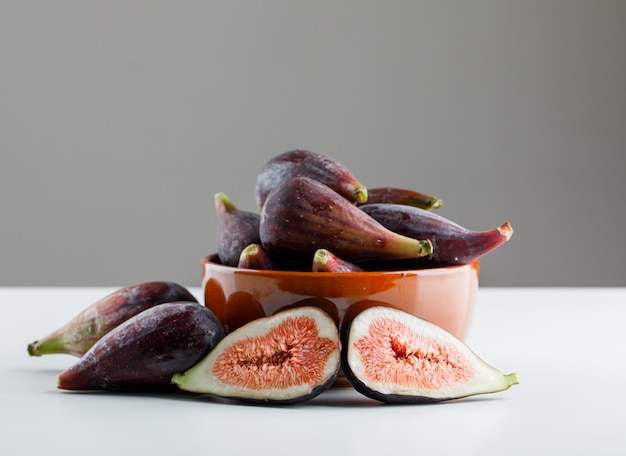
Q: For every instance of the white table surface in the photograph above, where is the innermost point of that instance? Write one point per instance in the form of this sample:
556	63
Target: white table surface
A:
567	345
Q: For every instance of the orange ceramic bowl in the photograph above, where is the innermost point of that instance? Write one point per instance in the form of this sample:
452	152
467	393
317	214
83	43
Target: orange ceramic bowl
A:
445	296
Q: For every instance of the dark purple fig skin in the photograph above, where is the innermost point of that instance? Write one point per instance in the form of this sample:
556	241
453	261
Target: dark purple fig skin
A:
326	261
452	243
394	195
303	215
80	333
236	229
255	256
297	163
145	351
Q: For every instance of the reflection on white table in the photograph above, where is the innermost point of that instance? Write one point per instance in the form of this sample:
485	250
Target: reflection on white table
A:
567	345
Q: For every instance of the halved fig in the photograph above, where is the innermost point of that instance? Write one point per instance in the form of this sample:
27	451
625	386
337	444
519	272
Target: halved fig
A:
289	357
395	357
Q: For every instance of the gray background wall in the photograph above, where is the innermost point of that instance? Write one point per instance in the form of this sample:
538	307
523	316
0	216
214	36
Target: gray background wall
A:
119	120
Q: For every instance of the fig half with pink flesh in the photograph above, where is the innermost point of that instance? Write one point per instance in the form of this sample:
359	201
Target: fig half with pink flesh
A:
286	358
395	357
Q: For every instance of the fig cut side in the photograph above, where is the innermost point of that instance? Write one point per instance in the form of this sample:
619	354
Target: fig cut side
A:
395	357
285	358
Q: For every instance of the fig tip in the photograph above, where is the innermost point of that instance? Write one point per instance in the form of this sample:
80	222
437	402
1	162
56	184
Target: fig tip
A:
33	349
360	195
425	247
511	379
506	230
320	256
223	203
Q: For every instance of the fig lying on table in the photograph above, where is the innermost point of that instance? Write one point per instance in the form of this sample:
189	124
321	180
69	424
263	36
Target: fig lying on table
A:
289	357
146	350
394	357
80	333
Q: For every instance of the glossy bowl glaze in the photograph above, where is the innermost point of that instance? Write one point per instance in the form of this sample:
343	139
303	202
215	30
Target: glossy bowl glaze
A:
445	296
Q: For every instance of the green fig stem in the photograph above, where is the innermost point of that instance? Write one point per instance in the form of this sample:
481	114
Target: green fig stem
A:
321	256
360	195
425	247
224	202
434	203
506	230
511	379
52	347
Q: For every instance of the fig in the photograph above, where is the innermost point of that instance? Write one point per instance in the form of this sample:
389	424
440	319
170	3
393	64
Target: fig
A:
254	256
145	351
452	243
303	215
80	333
297	163
394	195
395	357
289	357
326	261
236	229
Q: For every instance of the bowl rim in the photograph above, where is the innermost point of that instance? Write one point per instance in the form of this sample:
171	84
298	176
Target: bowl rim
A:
210	260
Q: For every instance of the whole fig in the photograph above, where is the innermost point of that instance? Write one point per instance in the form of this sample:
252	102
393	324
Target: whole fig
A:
80	333
146	350
236	229
299	163
303	215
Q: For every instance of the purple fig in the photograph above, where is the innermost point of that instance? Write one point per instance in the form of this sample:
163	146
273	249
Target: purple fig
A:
326	261
452	243
393	195
302	215
146	350
304	163
255	256
81	332
236	229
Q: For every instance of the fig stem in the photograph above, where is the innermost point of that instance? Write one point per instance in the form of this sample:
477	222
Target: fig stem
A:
506	230
360	194
39	348
511	379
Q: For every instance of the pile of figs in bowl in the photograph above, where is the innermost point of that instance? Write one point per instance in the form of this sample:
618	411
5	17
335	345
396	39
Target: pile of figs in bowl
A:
322	239
329	284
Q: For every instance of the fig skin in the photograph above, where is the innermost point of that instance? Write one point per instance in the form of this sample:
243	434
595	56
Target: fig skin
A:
79	334
145	351
255	256
395	195
452	243
287	358
326	261
303	215
298	163
236	229
418	363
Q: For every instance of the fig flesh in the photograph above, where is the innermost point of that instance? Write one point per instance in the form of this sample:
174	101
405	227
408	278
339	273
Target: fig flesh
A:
146	350
395	357
236	229
299	163
303	215
289	357
80	333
